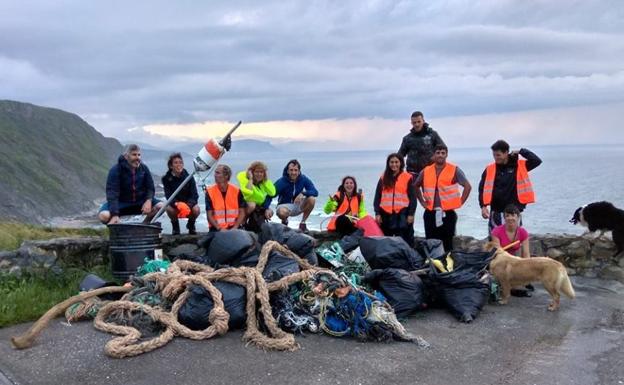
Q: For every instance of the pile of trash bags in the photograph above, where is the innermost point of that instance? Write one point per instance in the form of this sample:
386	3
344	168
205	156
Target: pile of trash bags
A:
330	303
379	270
414	279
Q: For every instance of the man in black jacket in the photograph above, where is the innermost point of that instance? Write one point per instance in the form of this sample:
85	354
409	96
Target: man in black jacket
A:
499	182
129	189
418	145
184	205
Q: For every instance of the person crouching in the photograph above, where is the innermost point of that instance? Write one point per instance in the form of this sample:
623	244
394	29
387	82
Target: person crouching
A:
184	204
225	205
258	191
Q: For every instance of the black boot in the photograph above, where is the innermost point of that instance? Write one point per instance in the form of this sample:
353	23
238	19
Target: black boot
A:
190	225
175	227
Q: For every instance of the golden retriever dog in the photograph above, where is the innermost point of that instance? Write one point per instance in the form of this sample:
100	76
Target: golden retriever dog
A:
511	271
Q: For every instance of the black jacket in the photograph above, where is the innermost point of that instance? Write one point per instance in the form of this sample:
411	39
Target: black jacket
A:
418	146
188	194
505	185
411	194
125	184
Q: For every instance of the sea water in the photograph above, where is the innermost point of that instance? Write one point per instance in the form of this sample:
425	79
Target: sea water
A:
569	177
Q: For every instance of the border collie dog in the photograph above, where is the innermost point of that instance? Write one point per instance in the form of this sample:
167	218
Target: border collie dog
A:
602	216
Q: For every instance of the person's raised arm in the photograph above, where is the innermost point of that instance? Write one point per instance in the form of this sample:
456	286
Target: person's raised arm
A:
532	160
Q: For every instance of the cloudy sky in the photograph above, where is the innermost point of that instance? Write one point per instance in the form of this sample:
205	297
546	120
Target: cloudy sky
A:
534	72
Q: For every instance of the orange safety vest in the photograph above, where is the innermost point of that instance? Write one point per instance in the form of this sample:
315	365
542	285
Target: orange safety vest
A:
450	197
225	211
524	186
396	198
351	206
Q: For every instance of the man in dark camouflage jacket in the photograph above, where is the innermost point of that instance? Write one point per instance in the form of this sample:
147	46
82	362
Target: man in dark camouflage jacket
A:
418	145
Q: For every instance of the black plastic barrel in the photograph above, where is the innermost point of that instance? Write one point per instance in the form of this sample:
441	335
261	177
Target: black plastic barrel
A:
130	244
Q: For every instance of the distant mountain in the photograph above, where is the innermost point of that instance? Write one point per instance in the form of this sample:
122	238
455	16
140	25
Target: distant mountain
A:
306	146
52	162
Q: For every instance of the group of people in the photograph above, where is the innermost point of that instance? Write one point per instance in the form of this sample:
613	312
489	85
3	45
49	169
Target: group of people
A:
441	187
418	172
130	191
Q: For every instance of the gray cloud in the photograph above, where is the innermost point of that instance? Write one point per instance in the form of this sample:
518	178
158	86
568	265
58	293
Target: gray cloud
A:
126	64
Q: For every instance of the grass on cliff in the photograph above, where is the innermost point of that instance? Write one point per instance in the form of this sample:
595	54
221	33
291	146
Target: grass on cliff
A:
28	297
13	234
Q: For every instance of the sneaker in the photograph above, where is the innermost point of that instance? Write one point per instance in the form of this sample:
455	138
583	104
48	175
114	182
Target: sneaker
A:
529	287
303	228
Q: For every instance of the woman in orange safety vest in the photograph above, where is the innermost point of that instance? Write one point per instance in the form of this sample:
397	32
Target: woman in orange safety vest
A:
346	201
395	200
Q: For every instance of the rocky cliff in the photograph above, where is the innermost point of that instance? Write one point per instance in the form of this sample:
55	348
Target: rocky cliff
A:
52	162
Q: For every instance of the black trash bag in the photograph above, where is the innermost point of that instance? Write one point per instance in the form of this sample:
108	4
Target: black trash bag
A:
194	312
279	266
403	289
273	232
352	241
93	282
204	242
344	225
228	246
430	248
384	252
299	243
303	246
249	259
465	290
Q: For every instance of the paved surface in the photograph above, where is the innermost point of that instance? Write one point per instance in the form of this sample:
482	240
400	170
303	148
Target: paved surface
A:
520	343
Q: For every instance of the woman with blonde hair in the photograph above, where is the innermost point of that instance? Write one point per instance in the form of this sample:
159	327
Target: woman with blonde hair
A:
258	191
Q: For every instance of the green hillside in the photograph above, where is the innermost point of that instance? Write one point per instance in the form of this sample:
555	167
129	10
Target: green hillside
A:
52	162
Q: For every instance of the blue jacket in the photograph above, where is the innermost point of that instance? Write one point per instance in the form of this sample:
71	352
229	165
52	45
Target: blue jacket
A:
287	190
124	184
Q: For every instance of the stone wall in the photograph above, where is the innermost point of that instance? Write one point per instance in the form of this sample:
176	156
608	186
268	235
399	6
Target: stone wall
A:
586	255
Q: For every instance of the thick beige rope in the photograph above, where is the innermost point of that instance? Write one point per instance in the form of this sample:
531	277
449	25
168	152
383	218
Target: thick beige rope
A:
26	340
173	285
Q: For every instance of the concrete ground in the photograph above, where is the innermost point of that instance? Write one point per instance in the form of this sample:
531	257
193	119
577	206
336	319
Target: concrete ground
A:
520	343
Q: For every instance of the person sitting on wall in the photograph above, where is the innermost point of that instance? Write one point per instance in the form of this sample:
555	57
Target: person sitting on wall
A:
225	205
347	201
184	205
129	189
258	191
510	232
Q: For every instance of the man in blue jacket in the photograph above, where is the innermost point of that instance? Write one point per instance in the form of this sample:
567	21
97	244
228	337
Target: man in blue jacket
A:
129	189
296	194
